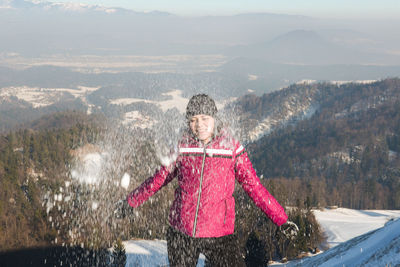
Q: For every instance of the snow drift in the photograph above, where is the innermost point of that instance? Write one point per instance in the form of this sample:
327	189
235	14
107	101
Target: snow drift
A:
380	247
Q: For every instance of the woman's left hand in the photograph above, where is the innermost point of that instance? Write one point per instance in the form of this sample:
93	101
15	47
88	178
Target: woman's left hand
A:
289	229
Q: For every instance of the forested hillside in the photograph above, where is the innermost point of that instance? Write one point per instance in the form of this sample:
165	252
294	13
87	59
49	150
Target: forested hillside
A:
346	154
33	162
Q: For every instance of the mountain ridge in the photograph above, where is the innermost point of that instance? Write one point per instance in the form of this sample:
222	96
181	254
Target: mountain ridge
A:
96	29
72	7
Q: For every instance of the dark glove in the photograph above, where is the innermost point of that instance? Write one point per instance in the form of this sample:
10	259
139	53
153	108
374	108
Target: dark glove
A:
289	230
122	209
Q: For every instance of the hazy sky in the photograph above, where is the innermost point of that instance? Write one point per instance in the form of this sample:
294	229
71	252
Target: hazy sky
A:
316	8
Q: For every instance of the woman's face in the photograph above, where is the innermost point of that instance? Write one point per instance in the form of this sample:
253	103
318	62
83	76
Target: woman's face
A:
202	126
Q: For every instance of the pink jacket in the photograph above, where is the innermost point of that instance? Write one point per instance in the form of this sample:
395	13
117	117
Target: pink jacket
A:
204	205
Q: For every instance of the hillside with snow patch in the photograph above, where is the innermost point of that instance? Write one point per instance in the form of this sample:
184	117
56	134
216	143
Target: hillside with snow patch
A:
380	247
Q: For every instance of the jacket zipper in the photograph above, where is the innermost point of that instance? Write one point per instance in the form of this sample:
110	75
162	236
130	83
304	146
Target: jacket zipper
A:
198	198
226	211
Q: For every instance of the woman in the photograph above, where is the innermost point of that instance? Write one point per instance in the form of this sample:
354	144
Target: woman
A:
202	216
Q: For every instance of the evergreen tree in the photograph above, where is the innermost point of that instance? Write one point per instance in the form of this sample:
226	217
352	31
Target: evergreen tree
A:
118	254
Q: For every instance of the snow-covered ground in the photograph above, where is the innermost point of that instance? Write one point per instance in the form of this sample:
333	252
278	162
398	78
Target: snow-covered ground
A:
41	97
352	236
379	247
343	224
352	81
149	253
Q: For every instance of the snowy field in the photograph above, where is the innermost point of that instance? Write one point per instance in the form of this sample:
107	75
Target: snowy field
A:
340	225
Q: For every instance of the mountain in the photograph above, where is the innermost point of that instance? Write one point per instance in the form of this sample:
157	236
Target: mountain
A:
307	47
92	29
346	153
39	28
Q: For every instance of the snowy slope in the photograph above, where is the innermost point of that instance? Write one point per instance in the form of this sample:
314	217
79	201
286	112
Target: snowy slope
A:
376	248
342	224
357	238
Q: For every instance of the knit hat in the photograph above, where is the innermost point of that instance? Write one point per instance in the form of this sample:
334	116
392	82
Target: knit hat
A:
201	104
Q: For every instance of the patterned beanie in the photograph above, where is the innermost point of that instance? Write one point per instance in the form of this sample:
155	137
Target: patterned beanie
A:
201	104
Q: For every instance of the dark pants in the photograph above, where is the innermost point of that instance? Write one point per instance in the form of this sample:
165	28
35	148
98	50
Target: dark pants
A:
184	250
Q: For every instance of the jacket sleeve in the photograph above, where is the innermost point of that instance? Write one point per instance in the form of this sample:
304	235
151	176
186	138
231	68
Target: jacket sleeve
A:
247	178
149	187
